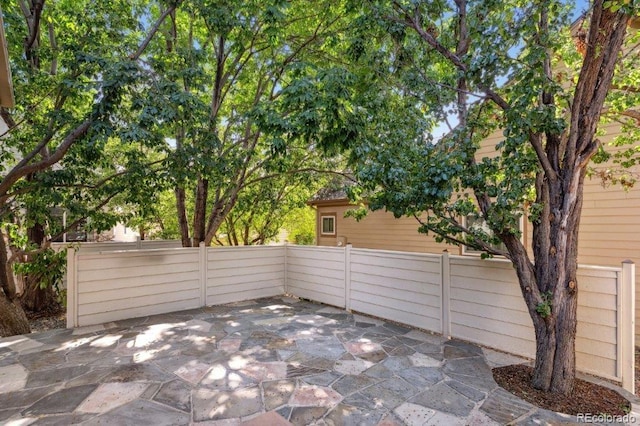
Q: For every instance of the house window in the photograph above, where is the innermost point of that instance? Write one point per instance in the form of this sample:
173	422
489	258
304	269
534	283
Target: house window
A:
478	222
328	224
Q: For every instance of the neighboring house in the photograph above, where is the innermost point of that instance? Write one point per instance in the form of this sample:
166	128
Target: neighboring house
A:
122	233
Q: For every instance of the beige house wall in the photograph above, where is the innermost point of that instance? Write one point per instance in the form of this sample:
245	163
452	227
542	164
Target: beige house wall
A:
378	230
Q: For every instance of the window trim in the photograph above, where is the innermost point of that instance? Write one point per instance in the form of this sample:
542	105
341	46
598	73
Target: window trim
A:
468	251
328	215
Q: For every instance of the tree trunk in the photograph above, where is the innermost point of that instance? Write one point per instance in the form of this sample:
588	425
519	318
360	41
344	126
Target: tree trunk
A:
200	211
38	299
12	318
37	296
181	207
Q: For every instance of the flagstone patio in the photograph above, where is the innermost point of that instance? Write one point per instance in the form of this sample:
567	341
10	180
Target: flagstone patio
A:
273	361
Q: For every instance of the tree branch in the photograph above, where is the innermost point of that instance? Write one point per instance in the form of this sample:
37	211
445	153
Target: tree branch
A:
153	31
23	169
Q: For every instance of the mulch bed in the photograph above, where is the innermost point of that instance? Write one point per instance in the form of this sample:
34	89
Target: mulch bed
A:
586	397
47	320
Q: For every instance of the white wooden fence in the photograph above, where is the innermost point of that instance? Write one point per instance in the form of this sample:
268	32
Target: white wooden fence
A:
458	296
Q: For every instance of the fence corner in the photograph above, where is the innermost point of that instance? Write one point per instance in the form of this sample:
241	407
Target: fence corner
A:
286	267
72	289
347	276
202	252
627	324
445	275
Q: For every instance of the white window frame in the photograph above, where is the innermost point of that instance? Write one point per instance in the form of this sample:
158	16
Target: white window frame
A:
468	251
331	216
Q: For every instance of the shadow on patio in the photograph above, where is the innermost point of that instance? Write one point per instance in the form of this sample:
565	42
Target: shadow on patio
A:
269	361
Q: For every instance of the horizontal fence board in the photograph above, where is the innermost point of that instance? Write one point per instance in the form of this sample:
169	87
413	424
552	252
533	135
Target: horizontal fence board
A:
245	252
95	282
133	272
246	286
309	287
158	244
107	293
318	296
518	345
408	262
337	265
605	302
490	312
316	280
597	316
596	348
133	303
242	296
335	274
388	272
404	317
596	365
222	281
141	311
497	326
360	289
137	258
486	298
486	285
220	271
316	254
391	284
214	264
415	307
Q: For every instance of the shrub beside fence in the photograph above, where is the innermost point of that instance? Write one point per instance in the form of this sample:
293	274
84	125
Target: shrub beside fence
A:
457	296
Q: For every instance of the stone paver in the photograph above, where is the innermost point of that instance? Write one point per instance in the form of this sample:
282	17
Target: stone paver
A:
274	361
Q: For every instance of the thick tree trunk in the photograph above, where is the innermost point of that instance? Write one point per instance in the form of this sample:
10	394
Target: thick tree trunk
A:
12	318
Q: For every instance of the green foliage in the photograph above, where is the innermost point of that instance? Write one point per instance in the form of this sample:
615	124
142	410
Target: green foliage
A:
300	224
544	308
48	266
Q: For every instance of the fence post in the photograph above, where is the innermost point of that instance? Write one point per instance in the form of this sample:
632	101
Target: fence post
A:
347	277
286	267
72	288
202	252
445	281
627	298
138	242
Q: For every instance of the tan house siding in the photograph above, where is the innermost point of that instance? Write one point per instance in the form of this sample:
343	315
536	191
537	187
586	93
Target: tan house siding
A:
378	230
